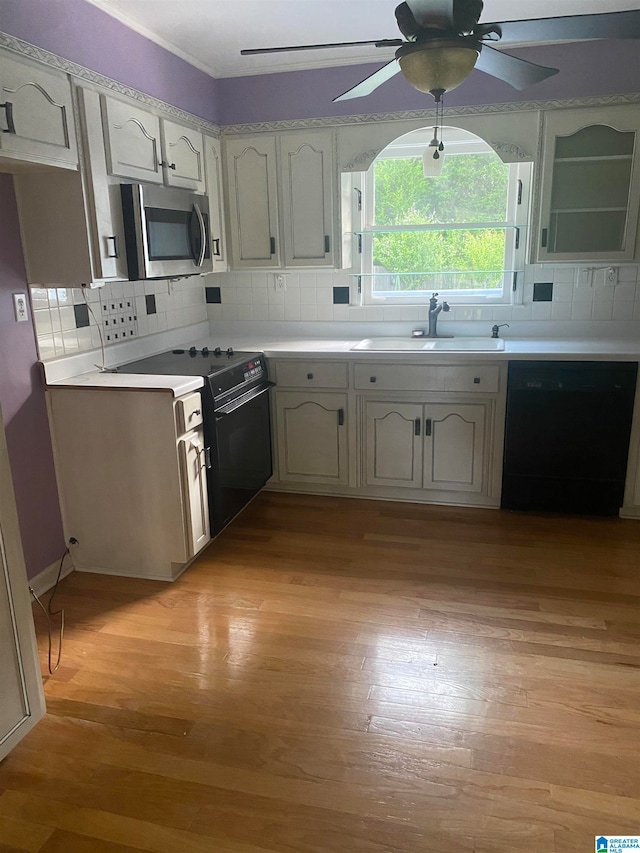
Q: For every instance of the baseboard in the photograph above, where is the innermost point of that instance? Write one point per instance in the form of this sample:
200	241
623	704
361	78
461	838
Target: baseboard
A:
44	580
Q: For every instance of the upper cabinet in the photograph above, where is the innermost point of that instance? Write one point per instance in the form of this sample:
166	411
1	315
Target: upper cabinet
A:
213	172
281	191
140	146
589	187
36	114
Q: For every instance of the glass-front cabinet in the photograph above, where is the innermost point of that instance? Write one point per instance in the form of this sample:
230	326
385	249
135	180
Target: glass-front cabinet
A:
589	186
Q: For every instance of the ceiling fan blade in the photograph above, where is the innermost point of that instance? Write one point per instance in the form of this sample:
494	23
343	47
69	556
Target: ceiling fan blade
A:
432	13
376	42
606	25
516	72
371	83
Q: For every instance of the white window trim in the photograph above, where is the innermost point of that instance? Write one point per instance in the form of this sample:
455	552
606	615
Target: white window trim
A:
518	212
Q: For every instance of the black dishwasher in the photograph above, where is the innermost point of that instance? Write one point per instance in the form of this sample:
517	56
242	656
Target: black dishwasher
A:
567	436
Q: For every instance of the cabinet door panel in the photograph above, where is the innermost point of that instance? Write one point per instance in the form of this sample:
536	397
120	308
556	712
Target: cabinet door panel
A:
393	442
454	447
251	172
213	169
194	487
36	121
132	138
307	181
312	437
183	157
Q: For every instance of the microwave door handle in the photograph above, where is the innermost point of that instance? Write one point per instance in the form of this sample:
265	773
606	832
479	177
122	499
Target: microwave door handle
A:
199	259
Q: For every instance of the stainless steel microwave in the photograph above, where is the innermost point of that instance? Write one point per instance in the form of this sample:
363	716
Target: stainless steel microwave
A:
166	232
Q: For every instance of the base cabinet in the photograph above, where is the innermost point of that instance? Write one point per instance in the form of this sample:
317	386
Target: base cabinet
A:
311	437
133	488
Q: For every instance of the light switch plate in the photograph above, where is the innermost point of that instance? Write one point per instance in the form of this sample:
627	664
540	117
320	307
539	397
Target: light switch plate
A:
20	307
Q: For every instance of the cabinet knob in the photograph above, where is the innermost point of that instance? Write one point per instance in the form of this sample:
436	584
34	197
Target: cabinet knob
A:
309	375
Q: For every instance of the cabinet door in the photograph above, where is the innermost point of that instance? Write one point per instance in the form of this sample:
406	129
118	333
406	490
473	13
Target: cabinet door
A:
393	444
590	185
132	140
312	437
253	209
36	114
183	157
307	174
213	171
194	488
454	447
21	696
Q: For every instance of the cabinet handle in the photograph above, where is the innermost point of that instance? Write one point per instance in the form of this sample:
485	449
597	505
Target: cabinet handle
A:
216	246
327	244
543	241
272	245
207	458
416	426
195	413
168	165
372	379
114	253
476	380
8	110
427	426
340	417
309	375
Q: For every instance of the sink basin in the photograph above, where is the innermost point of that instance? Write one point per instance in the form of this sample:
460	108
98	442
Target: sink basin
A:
430	345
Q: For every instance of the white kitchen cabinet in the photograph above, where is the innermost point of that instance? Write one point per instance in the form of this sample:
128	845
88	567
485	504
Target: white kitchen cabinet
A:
21	696
308	209
36	115
589	186
311	437
134	491
215	193
140	146
253	202
434	446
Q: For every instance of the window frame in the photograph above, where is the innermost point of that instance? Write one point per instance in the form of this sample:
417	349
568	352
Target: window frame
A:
517	230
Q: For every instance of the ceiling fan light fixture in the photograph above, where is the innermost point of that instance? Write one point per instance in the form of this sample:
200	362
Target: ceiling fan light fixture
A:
439	65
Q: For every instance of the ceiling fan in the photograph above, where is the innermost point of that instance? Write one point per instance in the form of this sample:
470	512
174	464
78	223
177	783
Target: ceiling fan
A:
444	41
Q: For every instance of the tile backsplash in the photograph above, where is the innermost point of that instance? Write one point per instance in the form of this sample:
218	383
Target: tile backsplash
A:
310	296
71	320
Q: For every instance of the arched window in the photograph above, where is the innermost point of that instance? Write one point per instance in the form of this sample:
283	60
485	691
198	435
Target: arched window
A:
460	232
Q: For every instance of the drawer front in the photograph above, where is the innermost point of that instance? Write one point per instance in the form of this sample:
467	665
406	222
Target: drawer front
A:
312	374
397	377
189	412
484	379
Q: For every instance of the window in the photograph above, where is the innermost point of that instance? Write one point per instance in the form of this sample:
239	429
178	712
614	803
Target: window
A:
459	234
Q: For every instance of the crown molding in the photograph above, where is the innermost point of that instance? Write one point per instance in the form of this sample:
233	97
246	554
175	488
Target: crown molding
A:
86	75
428	115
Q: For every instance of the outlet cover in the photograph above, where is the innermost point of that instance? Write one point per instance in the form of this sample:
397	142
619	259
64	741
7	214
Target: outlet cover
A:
20	308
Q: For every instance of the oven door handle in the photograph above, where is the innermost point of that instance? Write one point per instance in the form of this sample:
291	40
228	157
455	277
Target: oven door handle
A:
234	405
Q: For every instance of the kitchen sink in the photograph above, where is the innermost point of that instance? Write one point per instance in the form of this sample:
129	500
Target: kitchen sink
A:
430	345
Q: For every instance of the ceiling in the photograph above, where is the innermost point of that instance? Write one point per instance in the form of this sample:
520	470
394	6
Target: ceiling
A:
210	33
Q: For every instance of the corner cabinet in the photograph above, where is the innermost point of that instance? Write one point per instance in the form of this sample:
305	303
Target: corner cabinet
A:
21	697
282	200
36	114
589	186
135	498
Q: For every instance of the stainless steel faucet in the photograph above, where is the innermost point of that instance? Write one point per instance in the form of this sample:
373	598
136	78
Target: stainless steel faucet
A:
434	311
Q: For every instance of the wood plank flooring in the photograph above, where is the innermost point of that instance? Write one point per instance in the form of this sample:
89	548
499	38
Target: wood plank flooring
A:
343	676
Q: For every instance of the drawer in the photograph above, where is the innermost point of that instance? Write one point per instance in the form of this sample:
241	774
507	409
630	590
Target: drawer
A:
189	412
397	377
484	379
312	374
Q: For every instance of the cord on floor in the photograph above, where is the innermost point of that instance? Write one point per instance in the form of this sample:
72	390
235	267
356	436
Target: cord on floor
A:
48	613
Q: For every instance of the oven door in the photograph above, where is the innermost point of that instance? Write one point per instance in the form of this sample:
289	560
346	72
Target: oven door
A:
241	454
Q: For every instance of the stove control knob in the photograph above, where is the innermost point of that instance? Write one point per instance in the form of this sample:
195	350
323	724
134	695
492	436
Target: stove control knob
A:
217	351
230	351
193	351
205	350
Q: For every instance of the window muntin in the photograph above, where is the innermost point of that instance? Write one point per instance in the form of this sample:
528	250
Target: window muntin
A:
458	234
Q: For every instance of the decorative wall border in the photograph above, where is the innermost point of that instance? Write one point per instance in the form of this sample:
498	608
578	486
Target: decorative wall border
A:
39	54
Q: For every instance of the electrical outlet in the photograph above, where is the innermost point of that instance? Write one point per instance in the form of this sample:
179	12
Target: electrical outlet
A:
611	276
280	282
20	307
585	275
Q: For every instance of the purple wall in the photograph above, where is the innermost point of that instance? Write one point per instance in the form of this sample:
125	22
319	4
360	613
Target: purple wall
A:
85	34
597	68
23	405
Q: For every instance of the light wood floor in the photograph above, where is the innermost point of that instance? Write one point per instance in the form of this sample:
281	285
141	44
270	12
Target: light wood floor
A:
341	676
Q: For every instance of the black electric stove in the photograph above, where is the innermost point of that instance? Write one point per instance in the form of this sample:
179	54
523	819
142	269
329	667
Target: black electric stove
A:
236	420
